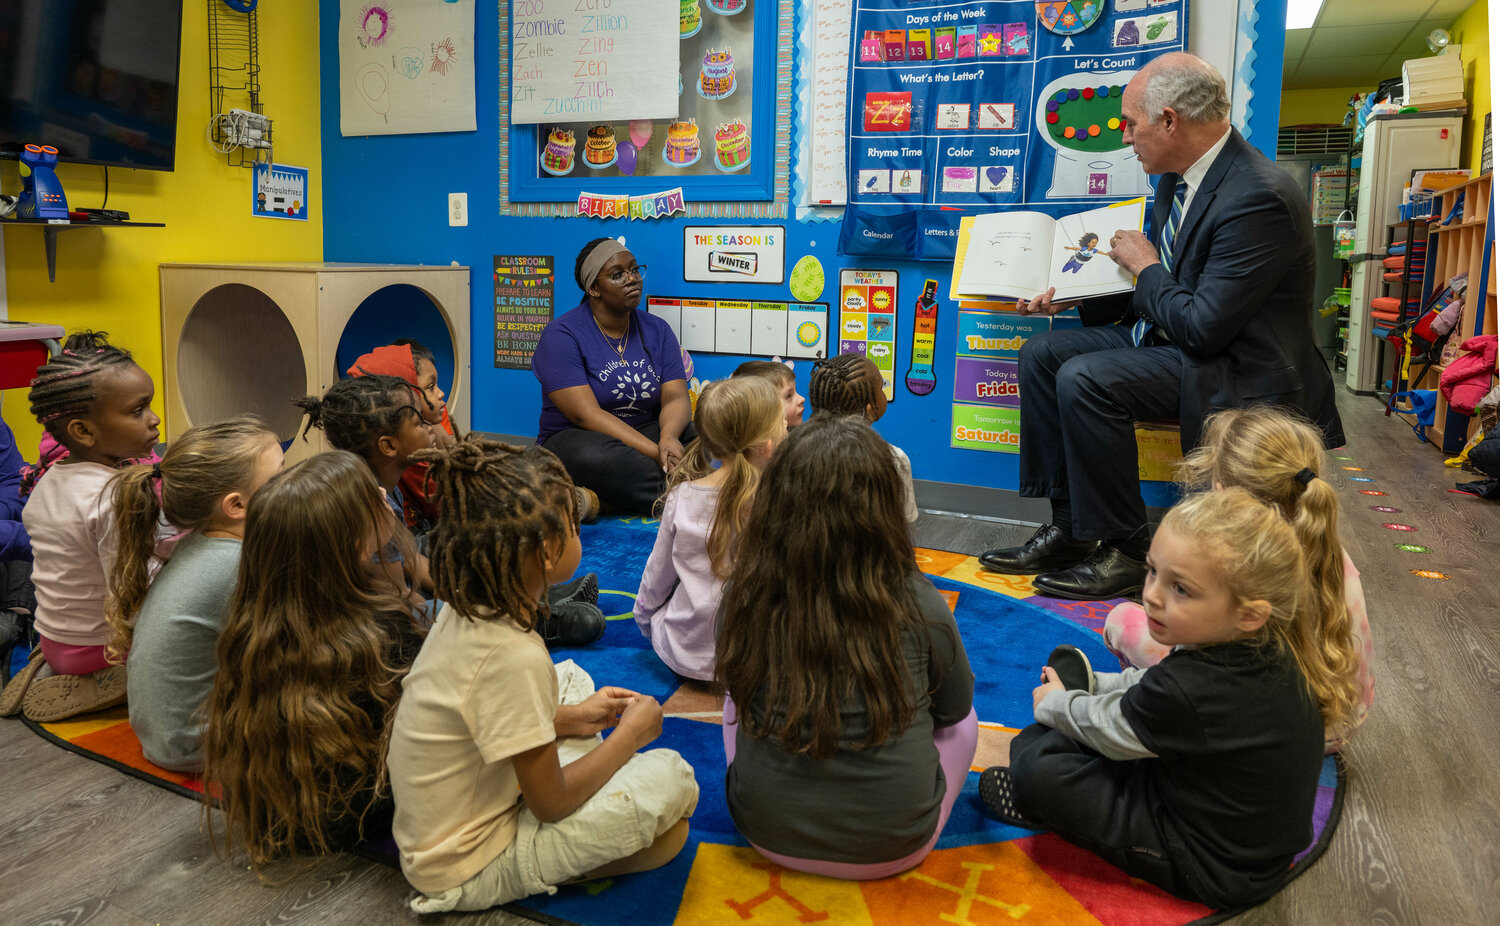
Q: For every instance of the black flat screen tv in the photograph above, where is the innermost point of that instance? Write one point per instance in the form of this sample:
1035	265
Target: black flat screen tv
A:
95	79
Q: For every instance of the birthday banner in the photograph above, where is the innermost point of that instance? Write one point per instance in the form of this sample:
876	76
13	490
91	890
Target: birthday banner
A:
645	206
965	107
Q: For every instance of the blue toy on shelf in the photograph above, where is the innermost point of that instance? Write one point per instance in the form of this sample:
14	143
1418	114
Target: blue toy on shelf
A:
41	192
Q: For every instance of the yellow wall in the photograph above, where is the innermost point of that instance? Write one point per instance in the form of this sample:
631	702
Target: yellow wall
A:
1324	105
1472	31
107	278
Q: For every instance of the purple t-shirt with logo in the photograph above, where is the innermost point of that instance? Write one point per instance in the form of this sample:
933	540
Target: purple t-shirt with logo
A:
573	351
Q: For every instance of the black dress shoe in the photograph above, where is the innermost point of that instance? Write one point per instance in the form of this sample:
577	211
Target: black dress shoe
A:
1108	573
1049	548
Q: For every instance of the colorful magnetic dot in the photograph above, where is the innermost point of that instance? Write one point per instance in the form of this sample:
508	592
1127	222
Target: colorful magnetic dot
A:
1073	94
1088	93
1093	130
1355	469
1051	106
1114	90
1052	118
1429	574
1372	492
1102	91
1069	132
1398	527
1385	508
1061	96
1123	123
1413	548
1114	123
1361	479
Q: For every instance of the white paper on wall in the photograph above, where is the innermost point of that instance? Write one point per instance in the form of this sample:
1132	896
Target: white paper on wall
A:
595	61
406	66
828	181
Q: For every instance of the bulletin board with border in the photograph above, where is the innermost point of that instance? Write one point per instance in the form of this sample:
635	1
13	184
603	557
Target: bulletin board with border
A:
963	107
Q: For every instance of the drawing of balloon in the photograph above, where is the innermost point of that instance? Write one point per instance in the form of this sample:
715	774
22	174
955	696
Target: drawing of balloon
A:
409	62
640	132
625	152
374	86
879	350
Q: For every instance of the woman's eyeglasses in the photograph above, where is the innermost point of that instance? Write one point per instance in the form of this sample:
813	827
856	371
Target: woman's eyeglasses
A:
620	276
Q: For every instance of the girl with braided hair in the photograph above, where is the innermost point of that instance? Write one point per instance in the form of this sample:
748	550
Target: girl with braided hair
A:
851	384
95	401
378	419
740	423
310	663
503	785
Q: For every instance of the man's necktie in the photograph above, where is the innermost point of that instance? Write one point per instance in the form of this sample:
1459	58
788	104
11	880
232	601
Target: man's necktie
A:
1142	327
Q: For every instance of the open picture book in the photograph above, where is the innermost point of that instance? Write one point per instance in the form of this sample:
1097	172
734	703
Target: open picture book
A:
1023	254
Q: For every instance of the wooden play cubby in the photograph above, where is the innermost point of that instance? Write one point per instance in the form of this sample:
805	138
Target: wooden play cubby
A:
1466	243
243	338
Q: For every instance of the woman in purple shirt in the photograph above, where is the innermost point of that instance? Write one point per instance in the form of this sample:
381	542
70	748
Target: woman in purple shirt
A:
615	404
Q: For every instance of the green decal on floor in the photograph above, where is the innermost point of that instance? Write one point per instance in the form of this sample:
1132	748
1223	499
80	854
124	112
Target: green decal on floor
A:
1413	548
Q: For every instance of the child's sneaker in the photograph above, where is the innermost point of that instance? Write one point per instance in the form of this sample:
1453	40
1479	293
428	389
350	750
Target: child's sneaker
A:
572	623
15	689
999	798
585	588
1072	668
58	697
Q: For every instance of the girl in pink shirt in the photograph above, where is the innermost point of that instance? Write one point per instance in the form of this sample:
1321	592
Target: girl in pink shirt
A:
739	422
95	401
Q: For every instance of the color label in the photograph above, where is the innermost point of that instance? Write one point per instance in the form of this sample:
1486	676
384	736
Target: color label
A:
1372	492
1398	527
1430	574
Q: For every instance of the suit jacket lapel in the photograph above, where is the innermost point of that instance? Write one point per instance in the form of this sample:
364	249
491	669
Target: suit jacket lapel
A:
1204	196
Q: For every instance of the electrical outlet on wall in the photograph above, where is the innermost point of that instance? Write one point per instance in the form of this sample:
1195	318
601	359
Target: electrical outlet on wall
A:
458	209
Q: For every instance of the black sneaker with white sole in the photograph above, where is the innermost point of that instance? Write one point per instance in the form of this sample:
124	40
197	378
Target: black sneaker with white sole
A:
585	588
1072	668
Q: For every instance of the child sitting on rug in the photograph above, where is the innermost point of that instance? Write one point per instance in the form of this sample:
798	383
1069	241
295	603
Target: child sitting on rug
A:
377	417
411	362
1279	459
170	625
503	788
782	379
310	666
849	726
739	423
1198	774
851	384
95	401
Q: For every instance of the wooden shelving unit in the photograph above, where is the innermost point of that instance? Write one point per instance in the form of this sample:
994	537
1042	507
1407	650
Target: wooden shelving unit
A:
1467	243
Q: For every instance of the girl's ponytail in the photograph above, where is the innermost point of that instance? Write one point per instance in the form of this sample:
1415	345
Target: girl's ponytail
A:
137	509
1332	670
733	417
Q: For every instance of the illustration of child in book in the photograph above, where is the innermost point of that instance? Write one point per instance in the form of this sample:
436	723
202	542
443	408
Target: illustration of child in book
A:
1085	252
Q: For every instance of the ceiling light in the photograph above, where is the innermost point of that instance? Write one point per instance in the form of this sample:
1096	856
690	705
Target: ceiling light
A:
1301	14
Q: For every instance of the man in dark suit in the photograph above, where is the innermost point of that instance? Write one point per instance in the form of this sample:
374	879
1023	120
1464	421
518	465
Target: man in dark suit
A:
1221	317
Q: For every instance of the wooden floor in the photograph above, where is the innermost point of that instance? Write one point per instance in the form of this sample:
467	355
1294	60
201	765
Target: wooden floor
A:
1419	842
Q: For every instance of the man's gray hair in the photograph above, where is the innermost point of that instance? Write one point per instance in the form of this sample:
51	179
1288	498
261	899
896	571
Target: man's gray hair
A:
1191	86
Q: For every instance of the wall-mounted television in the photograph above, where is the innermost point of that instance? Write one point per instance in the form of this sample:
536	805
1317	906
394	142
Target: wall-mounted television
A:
95	79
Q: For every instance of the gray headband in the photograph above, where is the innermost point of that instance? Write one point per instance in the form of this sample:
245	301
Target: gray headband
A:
596	260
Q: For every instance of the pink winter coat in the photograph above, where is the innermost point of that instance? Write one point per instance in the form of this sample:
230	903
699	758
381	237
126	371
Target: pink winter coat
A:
1467	379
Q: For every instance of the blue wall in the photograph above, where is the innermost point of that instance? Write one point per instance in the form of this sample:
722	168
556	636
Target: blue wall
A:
385	199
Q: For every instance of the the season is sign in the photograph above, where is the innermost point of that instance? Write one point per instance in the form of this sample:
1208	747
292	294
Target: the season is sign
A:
734	253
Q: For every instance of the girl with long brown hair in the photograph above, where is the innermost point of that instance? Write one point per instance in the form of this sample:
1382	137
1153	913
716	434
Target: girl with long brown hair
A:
739	422
310	665
1198	774
850	726
1279	458
170	625
503	786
